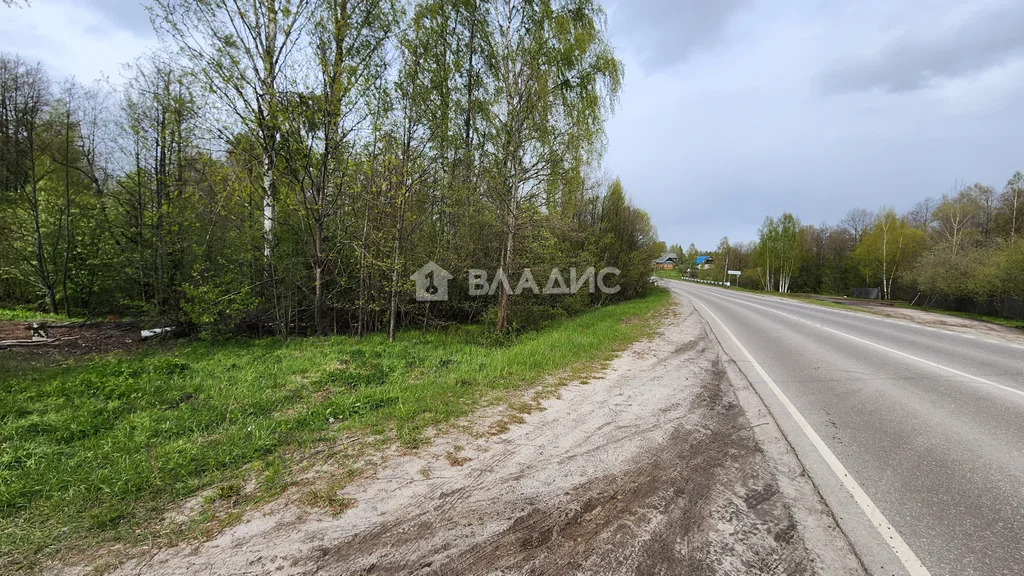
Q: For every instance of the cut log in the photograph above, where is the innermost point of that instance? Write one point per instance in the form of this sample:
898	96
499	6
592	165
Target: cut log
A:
34	342
154	332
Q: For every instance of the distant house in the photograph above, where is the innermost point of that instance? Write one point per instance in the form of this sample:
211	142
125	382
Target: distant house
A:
667	261
704	262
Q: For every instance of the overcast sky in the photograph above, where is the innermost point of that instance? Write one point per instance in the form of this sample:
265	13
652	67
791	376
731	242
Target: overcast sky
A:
735	109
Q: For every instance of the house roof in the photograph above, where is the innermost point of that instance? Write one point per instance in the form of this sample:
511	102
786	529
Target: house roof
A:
703	259
667	257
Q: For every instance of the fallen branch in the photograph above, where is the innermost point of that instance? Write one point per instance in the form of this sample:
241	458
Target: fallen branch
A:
9	343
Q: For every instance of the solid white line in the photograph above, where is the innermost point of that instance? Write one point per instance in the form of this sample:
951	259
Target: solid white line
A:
907	557
864	314
886	348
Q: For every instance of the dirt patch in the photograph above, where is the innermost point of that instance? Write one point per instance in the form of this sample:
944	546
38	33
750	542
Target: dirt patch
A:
71	340
651	468
699	502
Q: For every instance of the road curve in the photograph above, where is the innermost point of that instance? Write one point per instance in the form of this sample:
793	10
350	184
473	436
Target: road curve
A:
929	424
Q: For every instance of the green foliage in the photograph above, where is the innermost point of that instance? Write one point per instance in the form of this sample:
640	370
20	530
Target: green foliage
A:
888	249
963	250
979	274
779	251
27	315
627	242
290	164
215	300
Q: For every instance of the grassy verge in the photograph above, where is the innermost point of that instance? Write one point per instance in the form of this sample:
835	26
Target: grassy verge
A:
824	302
993	319
670	274
23	315
99	451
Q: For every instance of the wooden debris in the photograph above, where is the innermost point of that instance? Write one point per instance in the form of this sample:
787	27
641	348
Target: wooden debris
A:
33	342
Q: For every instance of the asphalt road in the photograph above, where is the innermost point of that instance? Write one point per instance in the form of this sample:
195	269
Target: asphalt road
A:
928	425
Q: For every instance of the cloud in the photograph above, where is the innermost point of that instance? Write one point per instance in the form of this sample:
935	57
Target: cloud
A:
717	142
973	43
75	38
736	109
130	15
665	32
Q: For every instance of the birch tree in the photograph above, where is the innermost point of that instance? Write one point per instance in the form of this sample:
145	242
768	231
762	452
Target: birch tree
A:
724	252
955	216
767	252
554	78
789	247
779	251
888	248
241	53
1011	205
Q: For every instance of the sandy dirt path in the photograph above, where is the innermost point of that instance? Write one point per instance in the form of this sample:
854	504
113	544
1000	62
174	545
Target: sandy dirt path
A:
652	468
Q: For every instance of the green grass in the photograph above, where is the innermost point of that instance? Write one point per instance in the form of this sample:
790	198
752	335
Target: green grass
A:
823	302
25	315
98	451
670	274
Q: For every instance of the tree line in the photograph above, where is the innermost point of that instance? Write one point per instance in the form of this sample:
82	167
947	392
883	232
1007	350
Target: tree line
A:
283	166
961	250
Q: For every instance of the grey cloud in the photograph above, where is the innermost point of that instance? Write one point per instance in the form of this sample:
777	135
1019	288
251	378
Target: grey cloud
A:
666	32
130	15
910	62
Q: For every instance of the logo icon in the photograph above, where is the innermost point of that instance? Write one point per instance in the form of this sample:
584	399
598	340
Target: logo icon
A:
431	283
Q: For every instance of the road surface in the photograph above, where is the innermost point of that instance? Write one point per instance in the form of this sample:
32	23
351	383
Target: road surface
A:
914	436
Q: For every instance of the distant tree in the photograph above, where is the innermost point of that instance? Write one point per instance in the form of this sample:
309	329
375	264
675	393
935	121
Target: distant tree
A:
986	200
241	53
837	267
779	251
1011	204
724	252
857	222
691	254
813	239
920	216
955	216
628	240
888	249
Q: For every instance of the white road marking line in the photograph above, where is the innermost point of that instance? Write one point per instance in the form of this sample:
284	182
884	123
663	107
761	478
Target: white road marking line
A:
907	557
871	316
886	348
